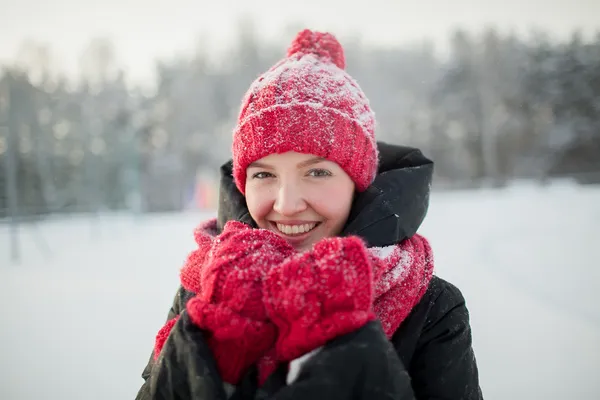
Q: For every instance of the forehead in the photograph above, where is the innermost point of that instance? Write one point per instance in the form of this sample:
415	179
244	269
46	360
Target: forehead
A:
290	158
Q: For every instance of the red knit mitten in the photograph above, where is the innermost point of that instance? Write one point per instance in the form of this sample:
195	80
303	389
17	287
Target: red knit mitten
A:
319	295
229	306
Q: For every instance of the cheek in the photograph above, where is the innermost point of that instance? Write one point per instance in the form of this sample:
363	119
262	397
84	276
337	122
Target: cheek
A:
260	204
333	202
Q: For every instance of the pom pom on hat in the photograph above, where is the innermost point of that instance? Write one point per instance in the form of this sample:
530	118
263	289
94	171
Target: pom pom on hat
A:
323	45
309	104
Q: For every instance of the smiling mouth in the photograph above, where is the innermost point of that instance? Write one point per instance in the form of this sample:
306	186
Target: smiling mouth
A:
296	229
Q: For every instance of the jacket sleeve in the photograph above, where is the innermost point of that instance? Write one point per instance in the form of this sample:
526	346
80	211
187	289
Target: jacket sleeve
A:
359	365
443	365
178	305
185	368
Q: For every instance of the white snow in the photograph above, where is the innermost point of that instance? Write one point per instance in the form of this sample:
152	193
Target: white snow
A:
79	322
311	83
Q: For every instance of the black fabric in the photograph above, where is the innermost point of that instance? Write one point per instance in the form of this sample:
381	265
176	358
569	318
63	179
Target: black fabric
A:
360	365
181	298
435	345
389	211
187	370
429	357
232	203
395	205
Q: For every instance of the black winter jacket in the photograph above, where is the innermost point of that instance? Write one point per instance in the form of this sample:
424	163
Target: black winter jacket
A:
429	357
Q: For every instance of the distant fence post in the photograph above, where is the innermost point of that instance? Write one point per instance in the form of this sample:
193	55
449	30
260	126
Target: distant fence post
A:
8	133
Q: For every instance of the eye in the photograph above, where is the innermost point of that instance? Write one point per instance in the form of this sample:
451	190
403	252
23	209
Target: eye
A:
319	173
262	175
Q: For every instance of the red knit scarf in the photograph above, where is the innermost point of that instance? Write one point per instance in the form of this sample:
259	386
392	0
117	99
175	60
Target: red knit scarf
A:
402	273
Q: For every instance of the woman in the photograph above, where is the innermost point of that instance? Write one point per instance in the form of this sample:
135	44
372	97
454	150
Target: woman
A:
312	282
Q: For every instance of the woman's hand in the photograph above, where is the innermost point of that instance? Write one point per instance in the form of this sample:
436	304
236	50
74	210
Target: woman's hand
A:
319	295
229	305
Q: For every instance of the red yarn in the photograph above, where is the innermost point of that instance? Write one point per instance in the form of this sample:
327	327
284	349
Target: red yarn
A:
190	274
229	304
400	275
309	105
324	45
163	335
319	295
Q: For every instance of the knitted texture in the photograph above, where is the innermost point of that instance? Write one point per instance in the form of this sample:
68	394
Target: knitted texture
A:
229	301
203	235
319	295
399	276
163	335
307	103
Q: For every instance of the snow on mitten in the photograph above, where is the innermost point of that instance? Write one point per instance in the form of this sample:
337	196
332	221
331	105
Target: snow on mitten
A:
319	295
229	305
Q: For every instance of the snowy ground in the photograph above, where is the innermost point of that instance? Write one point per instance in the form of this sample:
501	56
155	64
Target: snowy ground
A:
78	317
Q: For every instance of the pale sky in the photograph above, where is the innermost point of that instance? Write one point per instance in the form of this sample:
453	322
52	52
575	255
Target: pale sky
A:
144	30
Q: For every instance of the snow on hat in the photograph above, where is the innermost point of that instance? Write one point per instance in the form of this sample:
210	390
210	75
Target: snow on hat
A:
309	104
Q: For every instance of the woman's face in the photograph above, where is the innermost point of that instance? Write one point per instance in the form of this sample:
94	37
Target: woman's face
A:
301	197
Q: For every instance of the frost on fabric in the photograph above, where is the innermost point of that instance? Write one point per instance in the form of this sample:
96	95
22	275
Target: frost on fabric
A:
404	272
382	252
308	105
401	272
309	81
398	260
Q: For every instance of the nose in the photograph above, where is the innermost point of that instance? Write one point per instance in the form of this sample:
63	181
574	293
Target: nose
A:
289	200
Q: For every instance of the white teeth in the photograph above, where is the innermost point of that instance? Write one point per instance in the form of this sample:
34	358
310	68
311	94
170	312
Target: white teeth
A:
296	229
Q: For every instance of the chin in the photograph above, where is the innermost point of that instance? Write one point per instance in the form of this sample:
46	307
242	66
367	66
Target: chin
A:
303	247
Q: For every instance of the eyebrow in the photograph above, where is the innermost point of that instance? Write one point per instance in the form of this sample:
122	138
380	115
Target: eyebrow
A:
312	161
257	164
303	164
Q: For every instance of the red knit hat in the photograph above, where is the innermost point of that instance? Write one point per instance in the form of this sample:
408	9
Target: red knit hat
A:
308	103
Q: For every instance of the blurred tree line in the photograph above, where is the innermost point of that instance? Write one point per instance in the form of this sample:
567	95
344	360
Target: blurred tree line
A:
497	108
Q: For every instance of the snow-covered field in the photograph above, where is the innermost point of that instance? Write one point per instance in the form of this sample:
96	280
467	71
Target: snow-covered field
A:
80	312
